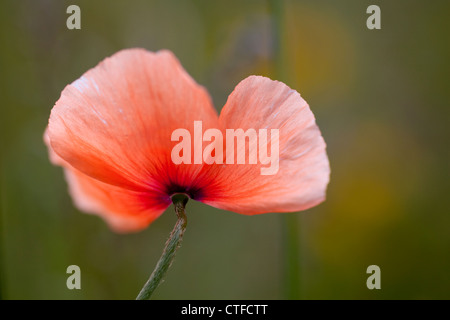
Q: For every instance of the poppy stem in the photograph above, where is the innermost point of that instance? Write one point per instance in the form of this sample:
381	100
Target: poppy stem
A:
291	230
172	244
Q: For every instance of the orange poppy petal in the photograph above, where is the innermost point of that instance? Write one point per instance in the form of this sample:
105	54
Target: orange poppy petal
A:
124	210
115	122
303	173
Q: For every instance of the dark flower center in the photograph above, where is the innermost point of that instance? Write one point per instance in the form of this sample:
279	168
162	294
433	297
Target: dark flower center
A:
193	192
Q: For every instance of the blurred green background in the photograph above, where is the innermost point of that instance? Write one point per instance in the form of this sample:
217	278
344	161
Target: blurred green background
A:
380	98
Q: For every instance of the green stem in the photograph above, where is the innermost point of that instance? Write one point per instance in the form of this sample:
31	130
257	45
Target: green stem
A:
172	244
290	228
276	10
292	267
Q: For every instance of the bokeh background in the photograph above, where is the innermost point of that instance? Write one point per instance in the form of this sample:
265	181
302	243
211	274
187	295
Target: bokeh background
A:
380	98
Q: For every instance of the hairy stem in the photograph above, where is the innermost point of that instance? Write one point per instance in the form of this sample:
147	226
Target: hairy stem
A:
172	244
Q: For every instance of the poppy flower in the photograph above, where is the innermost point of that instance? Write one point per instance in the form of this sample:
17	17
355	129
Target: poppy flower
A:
111	132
